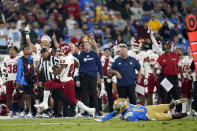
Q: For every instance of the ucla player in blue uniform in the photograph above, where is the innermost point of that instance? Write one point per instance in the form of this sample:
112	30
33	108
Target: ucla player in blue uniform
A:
131	112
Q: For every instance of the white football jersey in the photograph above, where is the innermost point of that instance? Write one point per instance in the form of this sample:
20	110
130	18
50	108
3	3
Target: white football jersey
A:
38	48
140	58
11	64
152	60
36	58
67	73
186	61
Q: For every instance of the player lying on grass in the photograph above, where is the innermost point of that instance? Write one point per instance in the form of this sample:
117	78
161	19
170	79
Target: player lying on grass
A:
131	112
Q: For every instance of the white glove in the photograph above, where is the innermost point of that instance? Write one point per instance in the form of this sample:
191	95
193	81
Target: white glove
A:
4	80
98	120
103	92
50	69
27	30
145	81
149	31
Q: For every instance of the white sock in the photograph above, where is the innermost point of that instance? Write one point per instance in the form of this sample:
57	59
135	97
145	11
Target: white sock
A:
46	96
184	107
82	106
37	103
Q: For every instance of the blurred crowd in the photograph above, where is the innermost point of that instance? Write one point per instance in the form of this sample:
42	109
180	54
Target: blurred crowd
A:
110	20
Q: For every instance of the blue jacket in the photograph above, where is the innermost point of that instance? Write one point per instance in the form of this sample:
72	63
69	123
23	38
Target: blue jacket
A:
90	64
20	72
126	67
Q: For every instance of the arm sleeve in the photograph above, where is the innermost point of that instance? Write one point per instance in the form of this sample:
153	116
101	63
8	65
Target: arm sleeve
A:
19	71
137	65
41	76
56	61
158	50
40	65
109	116
34	74
131	118
98	61
113	65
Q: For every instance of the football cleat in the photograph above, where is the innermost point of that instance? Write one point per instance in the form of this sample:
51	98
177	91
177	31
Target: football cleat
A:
42	105
22	114
179	101
192	113
10	114
92	112
29	115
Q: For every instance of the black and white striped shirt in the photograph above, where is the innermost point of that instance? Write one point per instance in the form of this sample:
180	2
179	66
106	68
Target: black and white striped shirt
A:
44	65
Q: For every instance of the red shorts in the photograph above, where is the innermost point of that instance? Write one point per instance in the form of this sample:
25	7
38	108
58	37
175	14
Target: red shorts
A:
68	89
152	84
187	87
10	87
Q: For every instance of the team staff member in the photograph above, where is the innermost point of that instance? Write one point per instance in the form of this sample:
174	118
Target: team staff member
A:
107	61
90	65
170	66
194	103
124	68
25	78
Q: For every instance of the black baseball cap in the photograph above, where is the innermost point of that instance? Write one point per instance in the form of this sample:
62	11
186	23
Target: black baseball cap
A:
107	48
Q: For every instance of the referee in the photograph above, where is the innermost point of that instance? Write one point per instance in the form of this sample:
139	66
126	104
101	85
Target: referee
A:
44	75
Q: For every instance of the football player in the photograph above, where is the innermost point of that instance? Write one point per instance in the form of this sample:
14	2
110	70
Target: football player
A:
66	82
131	112
141	57
10	68
152	83
186	85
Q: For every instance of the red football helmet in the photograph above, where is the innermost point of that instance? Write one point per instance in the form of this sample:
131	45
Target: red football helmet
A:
173	48
63	50
3	110
137	45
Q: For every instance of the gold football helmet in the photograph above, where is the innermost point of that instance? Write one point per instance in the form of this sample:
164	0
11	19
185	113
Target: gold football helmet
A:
120	105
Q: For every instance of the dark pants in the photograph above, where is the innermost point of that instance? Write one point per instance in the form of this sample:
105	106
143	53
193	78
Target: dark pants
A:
127	91
88	86
194	103
108	87
175	90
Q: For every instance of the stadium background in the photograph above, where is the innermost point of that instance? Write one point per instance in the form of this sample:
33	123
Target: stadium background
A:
109	20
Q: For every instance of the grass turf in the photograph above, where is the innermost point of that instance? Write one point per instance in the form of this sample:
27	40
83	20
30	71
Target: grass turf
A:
185	124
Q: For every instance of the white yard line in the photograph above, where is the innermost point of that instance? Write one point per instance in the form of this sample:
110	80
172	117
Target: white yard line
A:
38	124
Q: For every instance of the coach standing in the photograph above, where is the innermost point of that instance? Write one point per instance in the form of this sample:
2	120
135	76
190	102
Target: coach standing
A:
170	66
90	65
124	68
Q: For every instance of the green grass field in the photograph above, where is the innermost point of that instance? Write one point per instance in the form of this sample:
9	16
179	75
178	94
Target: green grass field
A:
185	124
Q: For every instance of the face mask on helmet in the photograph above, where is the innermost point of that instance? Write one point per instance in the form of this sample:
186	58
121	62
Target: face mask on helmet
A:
171	47
137	45
63	50
120	105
